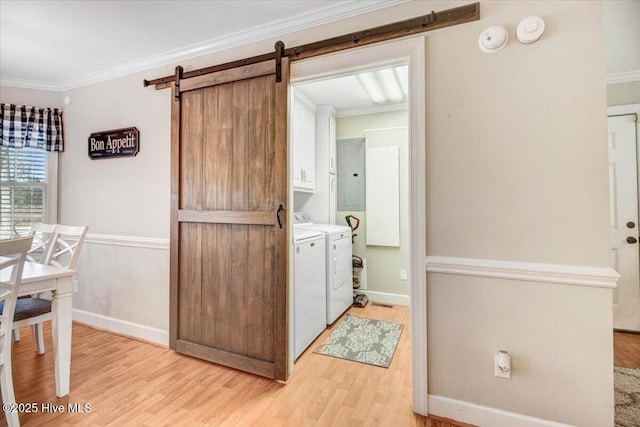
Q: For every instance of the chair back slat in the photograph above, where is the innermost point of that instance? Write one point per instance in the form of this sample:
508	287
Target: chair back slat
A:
42	242
13	253
68	242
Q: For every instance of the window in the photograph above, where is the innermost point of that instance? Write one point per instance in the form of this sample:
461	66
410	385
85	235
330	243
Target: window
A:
30	139
27	189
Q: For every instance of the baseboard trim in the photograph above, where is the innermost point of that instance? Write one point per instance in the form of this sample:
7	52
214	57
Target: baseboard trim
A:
122	327
385	298
479	415
130	241
599	277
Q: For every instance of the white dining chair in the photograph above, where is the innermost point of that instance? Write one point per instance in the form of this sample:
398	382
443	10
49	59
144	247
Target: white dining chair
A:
65	250
13	254
40	252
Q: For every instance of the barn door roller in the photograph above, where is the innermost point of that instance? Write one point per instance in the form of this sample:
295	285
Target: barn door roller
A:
179	71
279	54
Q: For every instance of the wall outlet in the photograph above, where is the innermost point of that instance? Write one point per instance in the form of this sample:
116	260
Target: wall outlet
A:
76	286
403	274
502	364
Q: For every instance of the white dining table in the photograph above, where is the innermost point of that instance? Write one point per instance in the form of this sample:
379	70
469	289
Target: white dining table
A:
41	278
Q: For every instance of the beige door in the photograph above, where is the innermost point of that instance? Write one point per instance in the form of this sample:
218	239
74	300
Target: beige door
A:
228	238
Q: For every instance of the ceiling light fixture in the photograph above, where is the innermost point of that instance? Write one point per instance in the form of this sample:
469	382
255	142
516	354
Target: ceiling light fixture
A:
382	86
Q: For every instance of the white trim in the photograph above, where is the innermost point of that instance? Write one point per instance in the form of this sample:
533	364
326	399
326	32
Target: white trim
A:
620	110
373	110
385	298
130	241
599	277
624	77
30	84
122	327
52	187
418	224
331	13
479	415
409	50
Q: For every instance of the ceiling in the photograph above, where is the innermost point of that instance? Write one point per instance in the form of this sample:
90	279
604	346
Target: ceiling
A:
62	44
348	96
59	45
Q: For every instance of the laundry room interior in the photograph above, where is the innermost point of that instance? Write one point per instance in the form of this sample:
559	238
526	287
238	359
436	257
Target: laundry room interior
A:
350	168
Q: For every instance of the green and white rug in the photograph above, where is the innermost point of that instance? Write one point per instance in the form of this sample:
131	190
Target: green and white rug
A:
627	391
363	340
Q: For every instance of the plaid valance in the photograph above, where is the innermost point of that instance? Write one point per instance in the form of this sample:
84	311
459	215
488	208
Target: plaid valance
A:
23	126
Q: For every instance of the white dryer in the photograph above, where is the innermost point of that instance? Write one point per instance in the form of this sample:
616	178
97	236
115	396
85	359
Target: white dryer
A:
310	291
339	275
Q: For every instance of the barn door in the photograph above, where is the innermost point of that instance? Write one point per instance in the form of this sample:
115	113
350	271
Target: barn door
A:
228	237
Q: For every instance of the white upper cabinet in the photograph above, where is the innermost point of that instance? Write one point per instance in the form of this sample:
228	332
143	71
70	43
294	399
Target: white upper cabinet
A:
303	127
333	163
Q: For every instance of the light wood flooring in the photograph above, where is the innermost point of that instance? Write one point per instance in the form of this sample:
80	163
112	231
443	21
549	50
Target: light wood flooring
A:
626	350
132	383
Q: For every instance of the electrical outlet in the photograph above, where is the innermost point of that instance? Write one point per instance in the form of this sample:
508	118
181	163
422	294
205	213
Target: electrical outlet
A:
502	364
403	274
76	286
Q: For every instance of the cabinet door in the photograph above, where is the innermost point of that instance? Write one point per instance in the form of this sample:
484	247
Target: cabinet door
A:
308	135
303	128
332	146
296	137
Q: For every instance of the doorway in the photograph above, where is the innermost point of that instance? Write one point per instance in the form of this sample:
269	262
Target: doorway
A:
623	181
410	52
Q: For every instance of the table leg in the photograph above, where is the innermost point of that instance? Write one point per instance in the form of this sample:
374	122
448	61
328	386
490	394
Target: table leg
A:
61	325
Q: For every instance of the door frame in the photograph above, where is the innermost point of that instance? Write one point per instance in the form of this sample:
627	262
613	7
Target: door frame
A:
411	50
630	109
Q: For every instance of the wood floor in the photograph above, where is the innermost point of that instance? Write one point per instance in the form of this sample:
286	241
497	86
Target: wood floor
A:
131	383
626	350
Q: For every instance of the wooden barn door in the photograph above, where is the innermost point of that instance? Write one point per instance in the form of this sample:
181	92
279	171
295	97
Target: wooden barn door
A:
228	231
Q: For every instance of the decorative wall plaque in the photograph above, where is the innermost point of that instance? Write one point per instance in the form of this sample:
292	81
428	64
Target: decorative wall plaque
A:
114	143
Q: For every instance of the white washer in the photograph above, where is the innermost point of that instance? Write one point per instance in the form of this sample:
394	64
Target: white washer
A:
310	291
339	274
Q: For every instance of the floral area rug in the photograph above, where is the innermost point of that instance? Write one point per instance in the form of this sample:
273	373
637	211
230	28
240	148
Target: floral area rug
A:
627	392
363	340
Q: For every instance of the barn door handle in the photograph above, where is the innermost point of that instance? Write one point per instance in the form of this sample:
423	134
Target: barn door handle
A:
632	240
280	209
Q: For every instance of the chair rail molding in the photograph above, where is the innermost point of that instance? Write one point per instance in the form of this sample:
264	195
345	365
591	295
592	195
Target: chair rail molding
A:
600	277
130	241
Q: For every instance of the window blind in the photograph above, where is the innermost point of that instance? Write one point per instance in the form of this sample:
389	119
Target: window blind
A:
23	190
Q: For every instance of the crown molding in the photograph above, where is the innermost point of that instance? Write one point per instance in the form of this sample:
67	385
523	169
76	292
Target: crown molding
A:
625	77
270	30
29	84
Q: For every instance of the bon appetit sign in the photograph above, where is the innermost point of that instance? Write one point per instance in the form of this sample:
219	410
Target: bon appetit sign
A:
114	143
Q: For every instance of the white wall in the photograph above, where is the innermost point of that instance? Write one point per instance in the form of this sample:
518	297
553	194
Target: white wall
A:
383	263
623	93
31	97
516	172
